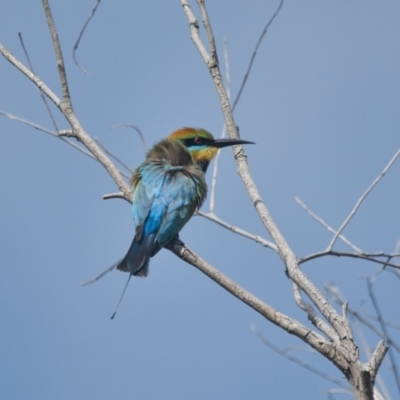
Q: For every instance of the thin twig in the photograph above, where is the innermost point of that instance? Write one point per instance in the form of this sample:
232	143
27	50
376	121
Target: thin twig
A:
373	317
66	108
298	361
397	249
118	195
218	156
194	29
246	75
227	67
333	391
394	271
392	358
361	199
207	26
29	74
66	133
48	131
215	175
63	136
112	155
387	323
129	125
323	223
42	96
80	37
335	293
239	231
312	315
367	257
59	56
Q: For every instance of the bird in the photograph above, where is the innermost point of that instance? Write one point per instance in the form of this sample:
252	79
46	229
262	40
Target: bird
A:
168	187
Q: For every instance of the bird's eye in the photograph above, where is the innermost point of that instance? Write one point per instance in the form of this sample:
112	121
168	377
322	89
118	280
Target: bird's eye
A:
198	140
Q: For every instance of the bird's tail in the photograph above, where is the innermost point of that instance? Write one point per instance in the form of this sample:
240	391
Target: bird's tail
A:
137	258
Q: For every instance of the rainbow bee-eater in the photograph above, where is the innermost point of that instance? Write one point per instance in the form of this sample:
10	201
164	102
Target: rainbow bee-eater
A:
168	187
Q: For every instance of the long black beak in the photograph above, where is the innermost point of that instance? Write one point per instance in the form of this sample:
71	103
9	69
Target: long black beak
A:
219	143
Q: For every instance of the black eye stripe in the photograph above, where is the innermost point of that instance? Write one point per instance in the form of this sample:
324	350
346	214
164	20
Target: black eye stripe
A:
196	141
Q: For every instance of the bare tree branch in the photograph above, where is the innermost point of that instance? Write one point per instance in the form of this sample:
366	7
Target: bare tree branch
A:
361	199
368	257
377	395
377	357
341	348
128	125
194	28
246	75
227	67
118	195
34	78
239	231
370	283
218	156
298	361
290	325
397	249
207	26
334	292
287	255
48	131
313	317
333	391
80	37
112	155
59	56
67	110
66	133
356	372
40	92
367	349
323	223
387	323
60	135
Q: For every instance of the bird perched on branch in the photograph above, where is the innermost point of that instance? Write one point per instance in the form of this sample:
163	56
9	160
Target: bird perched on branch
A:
167	189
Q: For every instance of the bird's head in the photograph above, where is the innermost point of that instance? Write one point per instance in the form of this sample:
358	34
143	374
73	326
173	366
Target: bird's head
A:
201	144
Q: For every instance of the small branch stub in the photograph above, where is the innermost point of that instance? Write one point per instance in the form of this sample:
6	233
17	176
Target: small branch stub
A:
66	133
377	358
118	195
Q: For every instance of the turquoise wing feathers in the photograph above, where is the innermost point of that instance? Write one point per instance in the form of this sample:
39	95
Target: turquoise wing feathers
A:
167	188
164	199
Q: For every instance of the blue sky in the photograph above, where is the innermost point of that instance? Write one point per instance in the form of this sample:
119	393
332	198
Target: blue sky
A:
322	104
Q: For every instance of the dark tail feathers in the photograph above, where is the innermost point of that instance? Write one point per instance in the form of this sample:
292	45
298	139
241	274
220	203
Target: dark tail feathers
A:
137	259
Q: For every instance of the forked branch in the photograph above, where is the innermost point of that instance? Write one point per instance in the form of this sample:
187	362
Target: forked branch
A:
357	373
